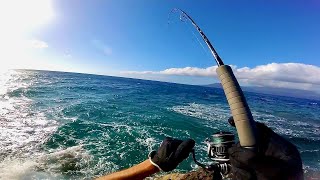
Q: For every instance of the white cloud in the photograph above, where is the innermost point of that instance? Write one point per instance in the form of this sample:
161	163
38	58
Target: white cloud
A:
105	49
285	72
187	71
37	44
289	75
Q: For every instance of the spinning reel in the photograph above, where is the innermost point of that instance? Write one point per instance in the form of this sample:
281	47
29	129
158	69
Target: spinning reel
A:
218	146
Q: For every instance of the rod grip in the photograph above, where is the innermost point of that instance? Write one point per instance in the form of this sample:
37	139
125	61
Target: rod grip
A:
240	110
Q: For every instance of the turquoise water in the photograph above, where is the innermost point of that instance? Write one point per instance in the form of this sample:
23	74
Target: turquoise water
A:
76	126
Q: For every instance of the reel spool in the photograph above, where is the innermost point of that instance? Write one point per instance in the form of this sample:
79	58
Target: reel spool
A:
218	146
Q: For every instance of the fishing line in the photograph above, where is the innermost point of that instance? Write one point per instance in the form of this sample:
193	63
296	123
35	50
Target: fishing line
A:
184	19
197	38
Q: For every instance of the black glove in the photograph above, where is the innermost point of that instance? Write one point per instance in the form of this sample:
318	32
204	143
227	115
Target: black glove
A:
171	153
273	158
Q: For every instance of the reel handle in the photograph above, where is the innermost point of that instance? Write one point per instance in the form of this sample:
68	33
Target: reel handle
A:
240	110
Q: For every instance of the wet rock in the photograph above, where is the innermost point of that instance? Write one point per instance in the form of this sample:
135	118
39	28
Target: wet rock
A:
193	175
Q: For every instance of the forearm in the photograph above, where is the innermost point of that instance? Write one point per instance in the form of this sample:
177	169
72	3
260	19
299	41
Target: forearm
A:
139	171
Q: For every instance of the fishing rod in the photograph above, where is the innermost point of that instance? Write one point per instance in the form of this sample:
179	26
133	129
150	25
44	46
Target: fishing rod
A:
220	142
242	116
240	110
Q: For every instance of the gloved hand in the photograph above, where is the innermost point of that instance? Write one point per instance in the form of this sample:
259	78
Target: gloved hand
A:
273	158
171	153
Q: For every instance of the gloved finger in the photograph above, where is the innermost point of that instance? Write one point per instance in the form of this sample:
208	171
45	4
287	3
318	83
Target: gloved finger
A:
234	162
263	131
165	142
260	126
241	157
234	149
167	139
175	143
170	143
231	121
184	149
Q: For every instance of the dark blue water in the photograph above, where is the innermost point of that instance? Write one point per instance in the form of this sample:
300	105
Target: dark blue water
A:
65	125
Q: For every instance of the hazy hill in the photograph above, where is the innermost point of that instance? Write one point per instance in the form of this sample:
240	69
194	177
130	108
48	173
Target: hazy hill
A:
276	91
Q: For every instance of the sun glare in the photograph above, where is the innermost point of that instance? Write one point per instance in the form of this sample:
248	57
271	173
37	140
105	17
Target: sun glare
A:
23	16
19	18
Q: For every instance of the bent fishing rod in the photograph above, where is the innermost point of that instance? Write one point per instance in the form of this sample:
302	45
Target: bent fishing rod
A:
240	110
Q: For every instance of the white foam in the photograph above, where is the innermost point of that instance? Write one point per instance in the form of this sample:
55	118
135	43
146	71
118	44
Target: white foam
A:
149	142
213	112
42	165
15	168
286	127
220	113
62	160
312	150
22	128
18	131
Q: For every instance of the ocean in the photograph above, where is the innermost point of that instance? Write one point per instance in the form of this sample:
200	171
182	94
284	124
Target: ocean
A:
57	125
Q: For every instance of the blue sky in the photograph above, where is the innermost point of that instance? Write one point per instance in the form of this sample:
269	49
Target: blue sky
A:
133	38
